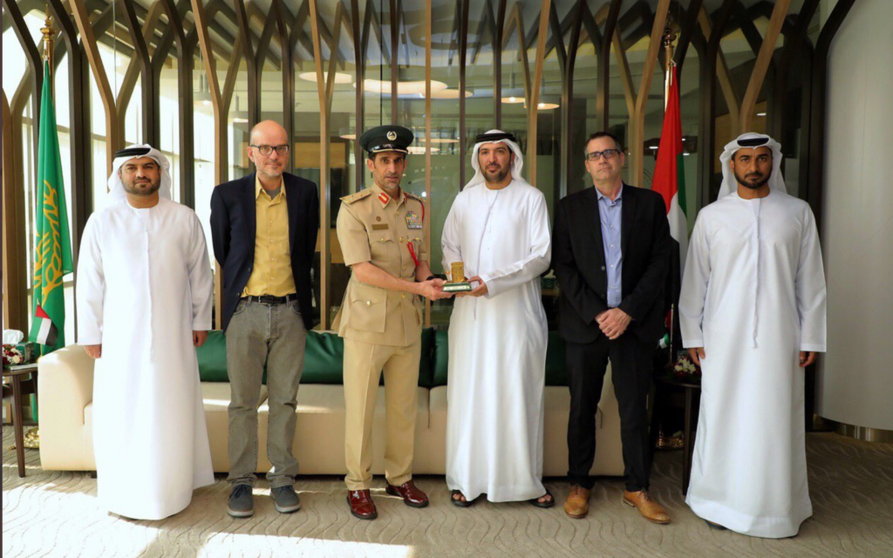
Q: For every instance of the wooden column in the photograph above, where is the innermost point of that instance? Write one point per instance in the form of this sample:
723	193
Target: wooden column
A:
220	140
534	98
637	123
463	7
428	197
15	280
569	156
762	64
250	60
88	39
185	105
325	82
149	88
81	177
816	183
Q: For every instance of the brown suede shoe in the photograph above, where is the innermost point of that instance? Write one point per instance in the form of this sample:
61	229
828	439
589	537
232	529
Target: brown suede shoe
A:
361	504
410	493
647	506
577	504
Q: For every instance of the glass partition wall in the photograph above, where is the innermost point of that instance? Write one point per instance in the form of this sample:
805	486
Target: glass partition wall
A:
549	71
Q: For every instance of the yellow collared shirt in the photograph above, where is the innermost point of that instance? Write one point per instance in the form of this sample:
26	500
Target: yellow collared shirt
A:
272	274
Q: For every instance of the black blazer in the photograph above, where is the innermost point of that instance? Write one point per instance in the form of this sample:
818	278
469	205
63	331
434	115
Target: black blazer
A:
578	258
233	227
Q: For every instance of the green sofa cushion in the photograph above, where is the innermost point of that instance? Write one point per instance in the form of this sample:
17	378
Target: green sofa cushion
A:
212	358
426	370
323	359
441	358
556	361
323	356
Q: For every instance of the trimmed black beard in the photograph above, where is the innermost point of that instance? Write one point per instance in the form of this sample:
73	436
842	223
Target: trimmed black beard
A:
499	176
136	192
741	180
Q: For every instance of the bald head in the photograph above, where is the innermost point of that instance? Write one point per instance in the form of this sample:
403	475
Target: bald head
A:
268	132
268	149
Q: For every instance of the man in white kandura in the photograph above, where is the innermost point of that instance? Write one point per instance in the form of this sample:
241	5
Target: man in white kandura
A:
499	228
143	305
752	311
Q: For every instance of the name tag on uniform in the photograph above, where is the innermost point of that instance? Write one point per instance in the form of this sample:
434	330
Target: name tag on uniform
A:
380	227
413	221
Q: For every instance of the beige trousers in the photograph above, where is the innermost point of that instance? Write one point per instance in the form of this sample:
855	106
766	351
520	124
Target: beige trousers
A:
363	365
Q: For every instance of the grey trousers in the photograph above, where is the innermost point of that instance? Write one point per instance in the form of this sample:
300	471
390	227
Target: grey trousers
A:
274	335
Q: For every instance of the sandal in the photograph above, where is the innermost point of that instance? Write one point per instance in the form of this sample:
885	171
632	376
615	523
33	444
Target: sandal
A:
457	501
547	504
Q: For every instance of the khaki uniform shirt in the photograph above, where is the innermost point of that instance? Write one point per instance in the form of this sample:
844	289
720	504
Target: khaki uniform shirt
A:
375	228
272	274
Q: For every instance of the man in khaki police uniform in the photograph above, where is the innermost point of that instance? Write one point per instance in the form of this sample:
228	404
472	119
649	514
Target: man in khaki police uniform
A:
382	235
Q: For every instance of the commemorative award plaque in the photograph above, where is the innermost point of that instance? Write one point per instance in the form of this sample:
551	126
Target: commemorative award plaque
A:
457	283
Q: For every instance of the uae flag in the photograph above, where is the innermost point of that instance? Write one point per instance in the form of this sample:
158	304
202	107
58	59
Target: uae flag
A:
669	174
45	330
52	246
669	182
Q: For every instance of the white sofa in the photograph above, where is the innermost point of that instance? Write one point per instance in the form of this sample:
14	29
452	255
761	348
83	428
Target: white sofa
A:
65	388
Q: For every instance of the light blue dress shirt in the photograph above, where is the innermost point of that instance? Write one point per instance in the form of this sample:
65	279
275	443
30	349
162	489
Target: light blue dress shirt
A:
610	214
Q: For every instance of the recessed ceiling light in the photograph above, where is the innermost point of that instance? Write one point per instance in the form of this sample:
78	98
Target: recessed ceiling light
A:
403	87
546	106
513	100
340	77
449	94
761	114
240	120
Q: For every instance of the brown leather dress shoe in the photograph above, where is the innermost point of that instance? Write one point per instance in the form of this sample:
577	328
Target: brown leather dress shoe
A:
410	493
577	504
647	506
361	504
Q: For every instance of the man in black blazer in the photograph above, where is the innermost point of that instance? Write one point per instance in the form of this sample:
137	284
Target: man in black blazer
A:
264	228
610	252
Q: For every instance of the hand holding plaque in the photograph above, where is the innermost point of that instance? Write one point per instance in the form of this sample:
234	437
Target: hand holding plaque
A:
457	283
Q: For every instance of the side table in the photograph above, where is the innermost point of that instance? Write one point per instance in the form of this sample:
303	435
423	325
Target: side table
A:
23	381
692	401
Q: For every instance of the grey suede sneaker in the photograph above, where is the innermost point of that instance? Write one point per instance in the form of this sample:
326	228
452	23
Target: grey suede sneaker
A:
286	499
241	501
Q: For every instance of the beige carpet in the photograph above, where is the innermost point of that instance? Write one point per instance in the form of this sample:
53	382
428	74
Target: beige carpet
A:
55	514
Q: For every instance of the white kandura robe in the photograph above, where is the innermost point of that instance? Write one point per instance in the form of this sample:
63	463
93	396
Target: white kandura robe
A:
497	343
144	285
753	295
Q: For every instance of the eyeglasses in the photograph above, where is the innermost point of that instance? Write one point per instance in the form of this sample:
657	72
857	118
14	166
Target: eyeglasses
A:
607	154
266	150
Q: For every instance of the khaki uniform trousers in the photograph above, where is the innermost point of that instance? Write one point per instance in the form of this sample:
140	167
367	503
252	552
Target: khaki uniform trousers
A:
363	366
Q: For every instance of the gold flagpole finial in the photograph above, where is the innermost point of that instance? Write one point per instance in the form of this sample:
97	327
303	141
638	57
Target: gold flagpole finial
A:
669	38
48	34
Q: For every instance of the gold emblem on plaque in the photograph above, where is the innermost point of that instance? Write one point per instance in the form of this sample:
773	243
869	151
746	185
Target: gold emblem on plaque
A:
458	283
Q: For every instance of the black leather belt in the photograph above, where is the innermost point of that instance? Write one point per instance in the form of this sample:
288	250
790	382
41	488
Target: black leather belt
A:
271	300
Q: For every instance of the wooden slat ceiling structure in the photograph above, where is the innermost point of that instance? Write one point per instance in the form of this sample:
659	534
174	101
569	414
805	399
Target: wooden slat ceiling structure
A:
238	50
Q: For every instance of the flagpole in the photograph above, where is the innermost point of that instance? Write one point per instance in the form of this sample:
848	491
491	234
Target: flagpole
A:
668	38
48	34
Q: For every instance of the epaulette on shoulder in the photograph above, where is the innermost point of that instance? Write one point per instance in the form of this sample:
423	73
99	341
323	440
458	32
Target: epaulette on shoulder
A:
358	196
414	197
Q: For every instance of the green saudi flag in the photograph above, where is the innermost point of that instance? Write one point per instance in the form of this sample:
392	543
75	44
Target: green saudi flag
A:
52	246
